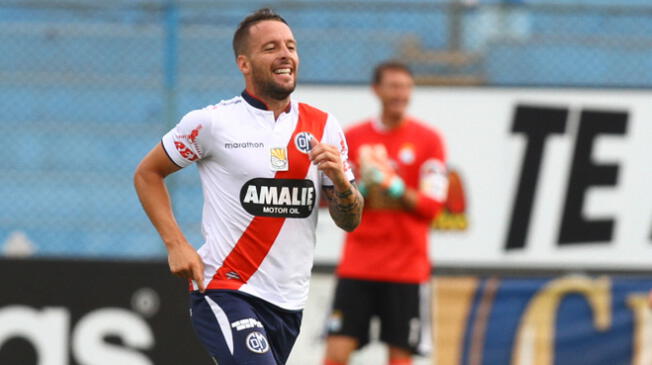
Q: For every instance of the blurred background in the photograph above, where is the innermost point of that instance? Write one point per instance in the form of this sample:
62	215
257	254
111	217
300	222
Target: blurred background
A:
88	87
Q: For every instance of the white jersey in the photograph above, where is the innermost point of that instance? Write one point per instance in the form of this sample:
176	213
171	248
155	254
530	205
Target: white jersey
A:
260	193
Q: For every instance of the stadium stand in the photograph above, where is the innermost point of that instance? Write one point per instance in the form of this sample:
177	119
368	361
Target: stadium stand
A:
83	89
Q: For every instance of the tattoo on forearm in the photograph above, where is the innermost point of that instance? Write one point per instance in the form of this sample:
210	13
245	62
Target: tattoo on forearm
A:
345	207
344	194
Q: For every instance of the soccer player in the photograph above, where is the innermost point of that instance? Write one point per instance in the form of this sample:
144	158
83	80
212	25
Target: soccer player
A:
385	269
264	160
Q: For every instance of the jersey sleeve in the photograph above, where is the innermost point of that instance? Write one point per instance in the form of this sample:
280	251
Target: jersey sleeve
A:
187	142
433	180
333	135
351	142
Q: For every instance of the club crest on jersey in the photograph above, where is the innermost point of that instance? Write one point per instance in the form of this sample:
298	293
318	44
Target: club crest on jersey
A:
279	159
406	154
256	342
302	141
288	198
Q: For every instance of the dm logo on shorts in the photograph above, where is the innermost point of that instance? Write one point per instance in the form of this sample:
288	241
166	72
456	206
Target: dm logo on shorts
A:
256	342
302	141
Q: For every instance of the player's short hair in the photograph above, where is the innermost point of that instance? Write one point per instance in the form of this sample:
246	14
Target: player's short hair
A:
380	69
241	36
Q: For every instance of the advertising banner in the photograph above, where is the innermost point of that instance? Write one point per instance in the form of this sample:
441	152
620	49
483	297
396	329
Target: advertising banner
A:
540	178
101	313
569	320
94	313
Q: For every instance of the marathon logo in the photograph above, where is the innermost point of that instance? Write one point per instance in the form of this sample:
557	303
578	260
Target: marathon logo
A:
233	145
288	198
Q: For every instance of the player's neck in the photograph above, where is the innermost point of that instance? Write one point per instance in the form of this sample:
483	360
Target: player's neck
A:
392	121
275	105
279	107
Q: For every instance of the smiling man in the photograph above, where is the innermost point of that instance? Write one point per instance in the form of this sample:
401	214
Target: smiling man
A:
263	161
402	164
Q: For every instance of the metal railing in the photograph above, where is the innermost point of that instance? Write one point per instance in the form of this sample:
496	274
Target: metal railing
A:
87	87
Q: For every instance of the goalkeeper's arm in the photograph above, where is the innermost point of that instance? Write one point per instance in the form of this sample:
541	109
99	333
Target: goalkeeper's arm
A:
433	189
425	202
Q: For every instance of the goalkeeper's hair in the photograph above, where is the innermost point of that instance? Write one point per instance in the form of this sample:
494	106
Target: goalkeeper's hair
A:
380	69
241	36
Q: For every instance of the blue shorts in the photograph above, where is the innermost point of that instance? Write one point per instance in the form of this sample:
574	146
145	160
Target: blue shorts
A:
237	328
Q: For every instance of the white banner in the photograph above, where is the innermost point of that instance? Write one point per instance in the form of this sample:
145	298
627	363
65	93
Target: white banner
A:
552	178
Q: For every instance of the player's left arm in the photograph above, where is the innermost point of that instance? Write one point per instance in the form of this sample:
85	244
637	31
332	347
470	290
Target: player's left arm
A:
344	200
428	200
344	206
422	204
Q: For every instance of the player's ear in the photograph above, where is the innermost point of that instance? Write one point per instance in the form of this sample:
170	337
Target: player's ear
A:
243	64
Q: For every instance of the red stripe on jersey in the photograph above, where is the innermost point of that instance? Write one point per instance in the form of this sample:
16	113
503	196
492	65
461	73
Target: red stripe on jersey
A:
256	241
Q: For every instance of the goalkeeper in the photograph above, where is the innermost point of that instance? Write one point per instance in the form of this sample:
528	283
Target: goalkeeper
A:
385	267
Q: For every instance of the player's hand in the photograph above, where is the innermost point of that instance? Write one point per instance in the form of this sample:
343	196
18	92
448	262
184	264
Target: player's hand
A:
375	169
186	263
328	159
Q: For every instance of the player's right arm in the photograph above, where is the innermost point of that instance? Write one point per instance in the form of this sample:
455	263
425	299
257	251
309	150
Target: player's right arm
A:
153	194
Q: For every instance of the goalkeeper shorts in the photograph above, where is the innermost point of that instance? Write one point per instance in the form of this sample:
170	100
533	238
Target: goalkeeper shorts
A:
402	308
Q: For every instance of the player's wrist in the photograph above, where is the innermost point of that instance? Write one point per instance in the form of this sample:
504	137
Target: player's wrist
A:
388	181
175	243
396	187
340	182
343	188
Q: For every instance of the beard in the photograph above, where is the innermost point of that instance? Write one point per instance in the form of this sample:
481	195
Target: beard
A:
270	87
